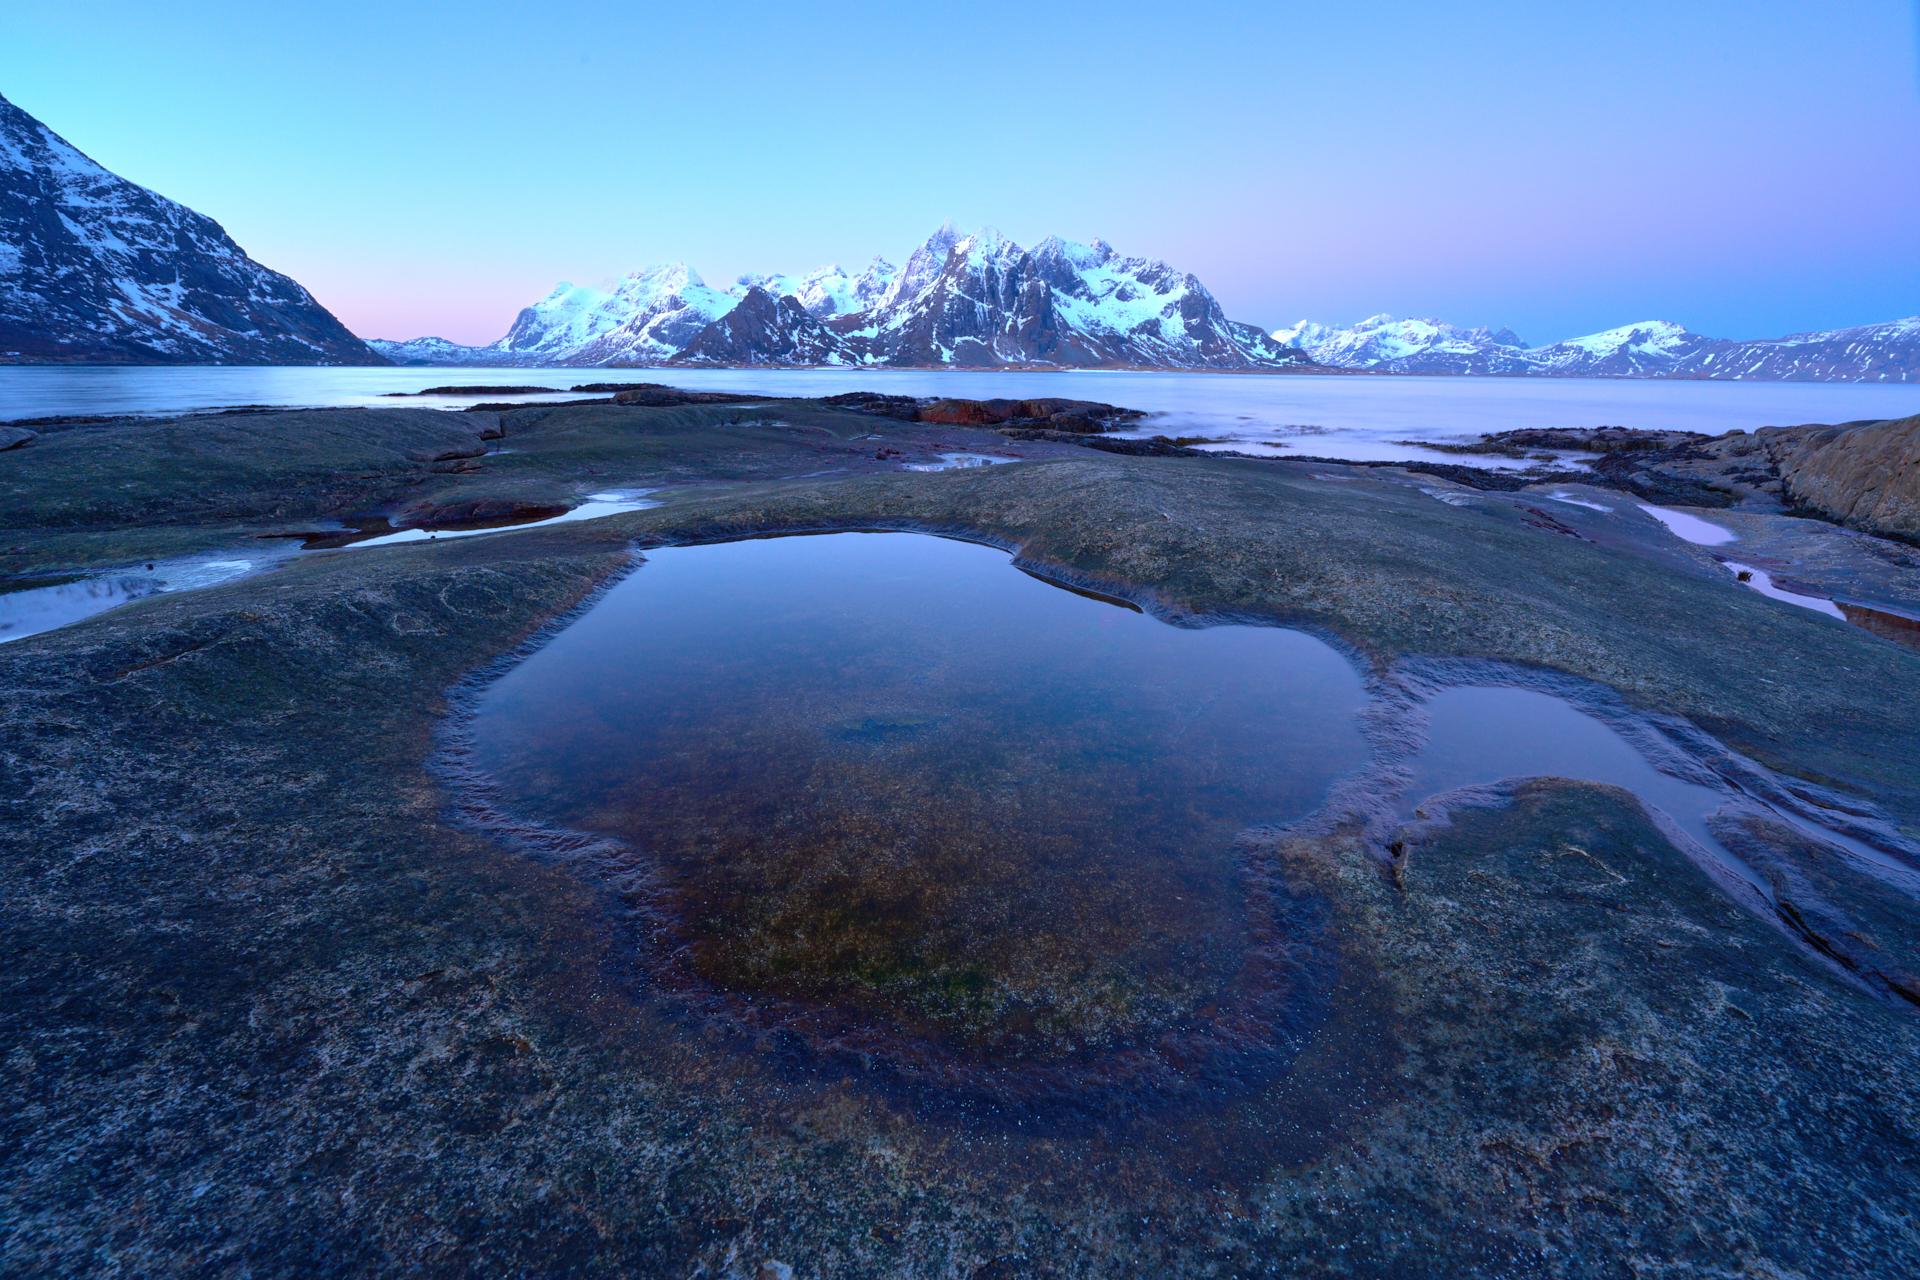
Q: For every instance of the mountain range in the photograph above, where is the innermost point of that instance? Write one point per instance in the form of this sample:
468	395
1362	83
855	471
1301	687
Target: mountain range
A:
97	269
981	301
965	300
1888	352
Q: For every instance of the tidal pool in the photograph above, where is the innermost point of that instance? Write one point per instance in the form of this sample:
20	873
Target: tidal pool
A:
884	791
887	798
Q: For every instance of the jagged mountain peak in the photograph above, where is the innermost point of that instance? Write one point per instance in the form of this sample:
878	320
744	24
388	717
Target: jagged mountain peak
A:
986	244
1073	254
974	298
765	328
923	264
826	291
661	277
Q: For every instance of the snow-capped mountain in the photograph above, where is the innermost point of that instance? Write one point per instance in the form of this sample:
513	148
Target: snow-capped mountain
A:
977	300
96	268
1408	346
828	291
765	329
1648	349
646	318
990	302
430	351
1887	352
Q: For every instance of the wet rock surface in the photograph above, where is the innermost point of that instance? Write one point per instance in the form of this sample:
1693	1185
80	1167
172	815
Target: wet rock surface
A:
277	1004
1070	417
1865	475
476	391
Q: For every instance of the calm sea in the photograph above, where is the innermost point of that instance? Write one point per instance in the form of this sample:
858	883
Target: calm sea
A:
1363	417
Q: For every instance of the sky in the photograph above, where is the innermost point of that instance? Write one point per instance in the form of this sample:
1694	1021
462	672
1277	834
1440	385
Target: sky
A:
1747	169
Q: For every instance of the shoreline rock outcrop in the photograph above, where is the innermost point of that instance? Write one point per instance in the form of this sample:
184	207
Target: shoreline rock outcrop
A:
1863	475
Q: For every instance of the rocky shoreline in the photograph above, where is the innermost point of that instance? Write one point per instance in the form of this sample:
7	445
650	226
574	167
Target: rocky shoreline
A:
1864	475
275	1006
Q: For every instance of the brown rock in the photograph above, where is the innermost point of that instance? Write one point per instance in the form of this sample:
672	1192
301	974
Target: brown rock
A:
1865	475
431	515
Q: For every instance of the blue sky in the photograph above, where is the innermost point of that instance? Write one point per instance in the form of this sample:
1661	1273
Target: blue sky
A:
1744	168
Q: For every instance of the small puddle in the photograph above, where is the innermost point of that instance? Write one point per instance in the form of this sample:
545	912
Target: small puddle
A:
1704	533
1480	735
1572	501
1762	581
1688	528
1477	736
958	462
27	609
595	505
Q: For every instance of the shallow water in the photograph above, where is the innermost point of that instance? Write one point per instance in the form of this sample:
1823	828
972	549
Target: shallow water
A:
1478	735
896	794
594	506
1346	416
959	462
1762	581
1691	528
878	792
29	610
1482	735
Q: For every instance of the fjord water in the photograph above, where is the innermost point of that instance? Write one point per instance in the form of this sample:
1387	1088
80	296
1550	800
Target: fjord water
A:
890	793
1347	416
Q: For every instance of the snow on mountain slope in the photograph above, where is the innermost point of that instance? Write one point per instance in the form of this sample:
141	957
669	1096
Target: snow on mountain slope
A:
645	318
1409	346
96	268
977	300
982	300
960	312
1142	311
765	329
1888	352
828	291
923	264
1648	348
429	351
